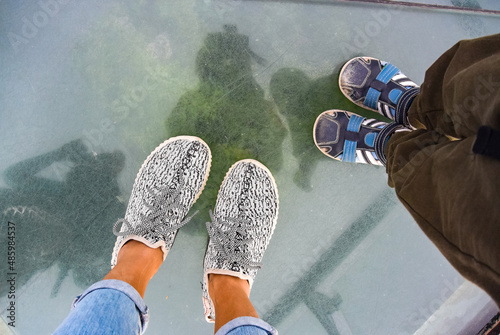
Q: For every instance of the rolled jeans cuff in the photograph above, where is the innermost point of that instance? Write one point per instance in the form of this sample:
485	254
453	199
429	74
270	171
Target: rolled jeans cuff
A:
124	288
246	325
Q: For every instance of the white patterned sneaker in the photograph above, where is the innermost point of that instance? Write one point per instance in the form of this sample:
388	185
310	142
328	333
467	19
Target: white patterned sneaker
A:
168	183
242	224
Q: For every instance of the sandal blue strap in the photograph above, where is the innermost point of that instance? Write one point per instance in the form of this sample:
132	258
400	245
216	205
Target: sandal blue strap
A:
349	151
355	123
379	84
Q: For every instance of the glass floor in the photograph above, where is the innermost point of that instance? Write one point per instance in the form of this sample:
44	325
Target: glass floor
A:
90	88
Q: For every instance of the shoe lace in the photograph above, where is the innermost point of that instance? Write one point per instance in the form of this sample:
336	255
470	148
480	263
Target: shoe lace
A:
231	243
164	208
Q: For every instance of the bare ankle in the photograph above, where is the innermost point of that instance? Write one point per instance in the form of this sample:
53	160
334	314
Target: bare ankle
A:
136	265
225	284
134	249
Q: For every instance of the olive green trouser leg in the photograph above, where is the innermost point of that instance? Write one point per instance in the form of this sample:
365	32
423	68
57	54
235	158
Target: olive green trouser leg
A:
452	193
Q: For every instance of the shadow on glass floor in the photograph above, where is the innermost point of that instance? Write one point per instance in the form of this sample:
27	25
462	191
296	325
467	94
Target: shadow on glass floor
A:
66	221
229	111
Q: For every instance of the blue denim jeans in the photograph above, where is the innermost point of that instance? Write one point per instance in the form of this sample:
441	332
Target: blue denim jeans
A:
114	307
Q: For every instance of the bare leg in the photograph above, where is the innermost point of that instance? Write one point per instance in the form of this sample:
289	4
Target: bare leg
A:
230	296
136	265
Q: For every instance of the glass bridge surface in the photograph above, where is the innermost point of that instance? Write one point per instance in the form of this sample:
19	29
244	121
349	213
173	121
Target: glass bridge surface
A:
90	88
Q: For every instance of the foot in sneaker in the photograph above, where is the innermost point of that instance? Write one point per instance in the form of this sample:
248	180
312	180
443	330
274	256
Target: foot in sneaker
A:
168	183
348	137
243	221
378	86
